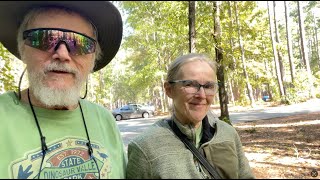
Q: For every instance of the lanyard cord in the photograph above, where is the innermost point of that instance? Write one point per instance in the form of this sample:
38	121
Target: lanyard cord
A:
43	138
90	151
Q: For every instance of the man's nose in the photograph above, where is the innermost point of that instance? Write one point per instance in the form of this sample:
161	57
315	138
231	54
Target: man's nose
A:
62	43
62	51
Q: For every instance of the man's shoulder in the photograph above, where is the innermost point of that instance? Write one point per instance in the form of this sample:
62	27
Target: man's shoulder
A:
7	96
93	105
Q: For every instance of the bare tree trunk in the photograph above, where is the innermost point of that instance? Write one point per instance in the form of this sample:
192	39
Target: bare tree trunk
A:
163	102
101	85
233	66
304	50
244	66
192	30
163	95
223	96
231	92
289	43
316	39
276	58
278	49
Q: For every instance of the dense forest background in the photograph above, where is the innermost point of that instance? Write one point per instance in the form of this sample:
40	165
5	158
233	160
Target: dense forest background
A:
263	48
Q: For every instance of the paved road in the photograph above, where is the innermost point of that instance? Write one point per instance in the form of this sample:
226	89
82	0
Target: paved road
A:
132	127
280	111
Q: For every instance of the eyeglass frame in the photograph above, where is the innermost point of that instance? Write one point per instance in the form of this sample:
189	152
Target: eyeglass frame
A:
216	85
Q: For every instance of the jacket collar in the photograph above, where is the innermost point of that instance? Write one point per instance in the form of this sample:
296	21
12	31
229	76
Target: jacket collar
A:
208	128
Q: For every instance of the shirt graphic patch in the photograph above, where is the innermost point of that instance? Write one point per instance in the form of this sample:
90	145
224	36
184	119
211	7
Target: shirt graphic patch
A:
68	158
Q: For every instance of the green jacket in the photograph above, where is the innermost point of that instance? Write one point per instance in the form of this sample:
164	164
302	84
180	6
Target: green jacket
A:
159	154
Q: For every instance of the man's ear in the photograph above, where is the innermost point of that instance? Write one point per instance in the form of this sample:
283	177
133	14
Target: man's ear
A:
168	88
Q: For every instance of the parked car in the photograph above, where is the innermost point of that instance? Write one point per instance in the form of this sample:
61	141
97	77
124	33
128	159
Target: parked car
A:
266	98
132	111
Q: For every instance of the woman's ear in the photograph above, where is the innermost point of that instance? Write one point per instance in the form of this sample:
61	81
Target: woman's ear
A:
168	89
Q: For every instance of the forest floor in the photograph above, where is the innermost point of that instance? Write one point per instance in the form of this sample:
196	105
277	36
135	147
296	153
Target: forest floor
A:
283	148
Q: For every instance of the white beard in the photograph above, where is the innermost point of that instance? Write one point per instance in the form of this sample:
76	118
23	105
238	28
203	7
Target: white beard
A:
51	96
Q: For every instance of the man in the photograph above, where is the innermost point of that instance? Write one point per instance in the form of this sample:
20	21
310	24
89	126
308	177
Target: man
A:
47	130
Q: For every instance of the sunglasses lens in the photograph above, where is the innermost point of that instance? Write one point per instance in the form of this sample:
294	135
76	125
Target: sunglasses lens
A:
46	39
80	44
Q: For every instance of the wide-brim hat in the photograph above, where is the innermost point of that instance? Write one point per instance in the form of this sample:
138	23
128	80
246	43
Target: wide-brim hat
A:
104	15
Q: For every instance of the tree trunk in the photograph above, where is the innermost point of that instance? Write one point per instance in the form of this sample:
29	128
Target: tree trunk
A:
192	30
244	66
316	39
223	96
233	65
289	42
276	58
278	48
304	50
231	92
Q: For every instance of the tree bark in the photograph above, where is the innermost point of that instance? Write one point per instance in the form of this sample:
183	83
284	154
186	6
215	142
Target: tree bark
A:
276	57
244	66
278	48
223	96
192	30
289	42
233	62
316	39
304	50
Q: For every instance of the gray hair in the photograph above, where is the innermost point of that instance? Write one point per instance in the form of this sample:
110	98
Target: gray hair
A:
32	14
176	65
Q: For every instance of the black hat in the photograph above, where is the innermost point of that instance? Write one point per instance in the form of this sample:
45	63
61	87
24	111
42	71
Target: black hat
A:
104	15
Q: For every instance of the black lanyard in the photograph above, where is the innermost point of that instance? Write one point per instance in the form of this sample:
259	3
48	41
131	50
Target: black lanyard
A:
194	150
43	138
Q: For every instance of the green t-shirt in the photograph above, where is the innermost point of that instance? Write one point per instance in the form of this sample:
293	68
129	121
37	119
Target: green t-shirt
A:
67	155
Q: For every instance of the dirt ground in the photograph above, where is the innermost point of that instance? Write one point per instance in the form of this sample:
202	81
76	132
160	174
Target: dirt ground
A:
283	148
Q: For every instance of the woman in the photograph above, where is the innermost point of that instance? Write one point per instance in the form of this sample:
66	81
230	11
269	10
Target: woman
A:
158	153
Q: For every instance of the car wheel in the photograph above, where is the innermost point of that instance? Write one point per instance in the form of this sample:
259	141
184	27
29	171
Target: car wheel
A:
145	115
118	117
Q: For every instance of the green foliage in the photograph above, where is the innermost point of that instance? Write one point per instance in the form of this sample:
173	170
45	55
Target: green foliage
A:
156	32
7	79
298	92
154	43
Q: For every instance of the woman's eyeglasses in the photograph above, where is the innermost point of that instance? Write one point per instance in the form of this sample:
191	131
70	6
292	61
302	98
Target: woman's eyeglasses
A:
47	38
192	86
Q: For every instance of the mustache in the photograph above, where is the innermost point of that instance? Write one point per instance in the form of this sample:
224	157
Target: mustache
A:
54	66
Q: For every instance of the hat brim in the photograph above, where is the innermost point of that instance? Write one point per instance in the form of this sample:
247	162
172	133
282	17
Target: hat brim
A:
104	15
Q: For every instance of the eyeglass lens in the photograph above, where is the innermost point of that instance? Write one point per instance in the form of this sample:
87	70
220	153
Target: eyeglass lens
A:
192	86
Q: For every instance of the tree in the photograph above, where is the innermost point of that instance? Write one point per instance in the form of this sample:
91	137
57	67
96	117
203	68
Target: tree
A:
223	97
289	43
276	61
244	66
192	30
305	50
277	42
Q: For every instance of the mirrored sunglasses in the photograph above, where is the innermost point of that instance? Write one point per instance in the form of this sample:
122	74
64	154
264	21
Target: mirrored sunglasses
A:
47	38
